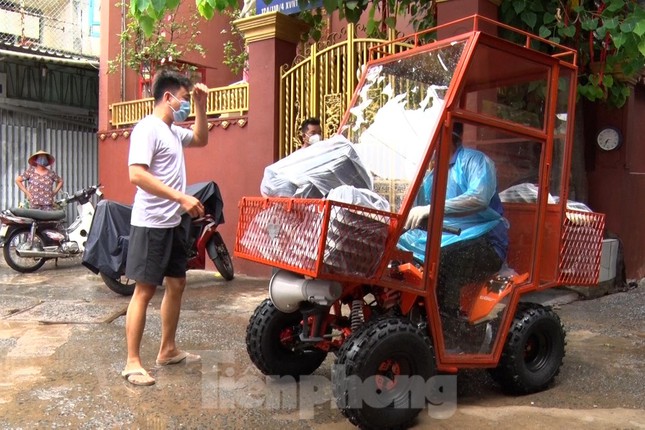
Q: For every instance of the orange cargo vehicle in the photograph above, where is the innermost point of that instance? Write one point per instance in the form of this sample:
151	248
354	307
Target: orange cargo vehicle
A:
345	281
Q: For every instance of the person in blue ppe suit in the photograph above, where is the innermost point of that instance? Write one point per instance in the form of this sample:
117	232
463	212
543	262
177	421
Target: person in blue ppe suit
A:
472	205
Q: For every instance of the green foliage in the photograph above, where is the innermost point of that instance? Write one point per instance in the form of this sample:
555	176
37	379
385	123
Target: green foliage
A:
316	24
608	35
420	13
170	39
236	55
149	12
382	14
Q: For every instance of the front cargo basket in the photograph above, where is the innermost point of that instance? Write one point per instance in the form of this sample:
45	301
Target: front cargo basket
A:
318	238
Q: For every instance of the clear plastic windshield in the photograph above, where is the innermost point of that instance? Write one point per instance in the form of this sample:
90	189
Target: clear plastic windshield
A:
396	113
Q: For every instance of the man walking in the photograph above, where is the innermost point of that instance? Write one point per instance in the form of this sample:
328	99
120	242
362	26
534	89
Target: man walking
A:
156	247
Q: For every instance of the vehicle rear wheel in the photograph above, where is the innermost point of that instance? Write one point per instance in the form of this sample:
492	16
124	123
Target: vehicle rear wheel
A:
218	252
274	346
122	285
381	372
533	352
17	238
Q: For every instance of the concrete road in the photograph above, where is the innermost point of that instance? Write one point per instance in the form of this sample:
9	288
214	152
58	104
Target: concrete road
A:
62	349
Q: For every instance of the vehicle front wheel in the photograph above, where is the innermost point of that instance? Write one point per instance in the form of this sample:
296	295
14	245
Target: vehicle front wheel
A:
122	285
14	241
533	352
274	346
379	378
218	252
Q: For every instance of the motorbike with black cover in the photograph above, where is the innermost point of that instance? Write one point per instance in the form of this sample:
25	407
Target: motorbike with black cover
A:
107	245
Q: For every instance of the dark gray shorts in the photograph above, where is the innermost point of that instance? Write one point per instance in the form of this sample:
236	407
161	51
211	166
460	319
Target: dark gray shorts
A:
154	253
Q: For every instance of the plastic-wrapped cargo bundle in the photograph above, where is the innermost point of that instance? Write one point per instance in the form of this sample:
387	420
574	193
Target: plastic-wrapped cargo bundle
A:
355	238
355	242
359	197
288	233
313	171
528	193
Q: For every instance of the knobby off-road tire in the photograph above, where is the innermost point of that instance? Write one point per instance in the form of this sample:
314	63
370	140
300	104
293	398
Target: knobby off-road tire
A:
218	252
366	367
533	352
124	288
16	262
273	343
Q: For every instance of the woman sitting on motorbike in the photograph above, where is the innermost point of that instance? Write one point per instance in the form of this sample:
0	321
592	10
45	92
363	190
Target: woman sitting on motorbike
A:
43	183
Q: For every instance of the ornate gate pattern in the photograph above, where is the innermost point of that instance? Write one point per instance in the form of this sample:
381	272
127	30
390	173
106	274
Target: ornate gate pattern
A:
321	85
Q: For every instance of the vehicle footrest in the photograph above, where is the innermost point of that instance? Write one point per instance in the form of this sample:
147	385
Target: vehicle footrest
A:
411	272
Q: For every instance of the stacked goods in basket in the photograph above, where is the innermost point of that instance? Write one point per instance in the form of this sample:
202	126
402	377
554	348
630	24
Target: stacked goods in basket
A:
288	232
314	171
355	242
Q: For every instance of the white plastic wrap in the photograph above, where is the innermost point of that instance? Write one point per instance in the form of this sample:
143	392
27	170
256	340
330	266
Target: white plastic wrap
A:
393	145
527	193
355	239
313	171
355	242
359	197
523	193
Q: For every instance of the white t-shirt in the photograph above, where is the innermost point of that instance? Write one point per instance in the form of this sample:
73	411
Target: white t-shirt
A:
159	147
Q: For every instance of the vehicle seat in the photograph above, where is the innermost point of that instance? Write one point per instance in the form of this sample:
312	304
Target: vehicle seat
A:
39	215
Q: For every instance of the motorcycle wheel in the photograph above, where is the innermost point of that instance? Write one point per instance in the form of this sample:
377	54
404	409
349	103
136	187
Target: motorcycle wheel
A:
124	288
218	252
16	262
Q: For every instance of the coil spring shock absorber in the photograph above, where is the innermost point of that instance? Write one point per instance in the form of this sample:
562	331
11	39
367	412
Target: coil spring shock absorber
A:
356	316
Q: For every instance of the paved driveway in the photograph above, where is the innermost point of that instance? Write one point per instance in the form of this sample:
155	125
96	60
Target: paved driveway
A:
62	348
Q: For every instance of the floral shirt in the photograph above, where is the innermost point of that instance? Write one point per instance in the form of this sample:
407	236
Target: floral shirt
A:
41	188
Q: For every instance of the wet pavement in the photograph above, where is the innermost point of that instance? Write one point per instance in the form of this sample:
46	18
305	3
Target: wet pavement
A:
62	348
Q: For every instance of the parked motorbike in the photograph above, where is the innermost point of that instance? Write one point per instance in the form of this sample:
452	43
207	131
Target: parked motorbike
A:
107	246
32	236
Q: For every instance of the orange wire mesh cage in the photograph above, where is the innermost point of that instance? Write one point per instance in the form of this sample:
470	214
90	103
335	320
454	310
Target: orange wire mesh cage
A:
582	235
318	238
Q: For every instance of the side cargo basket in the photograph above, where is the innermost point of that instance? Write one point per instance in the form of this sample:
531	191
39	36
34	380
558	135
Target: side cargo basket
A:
313	237
581	248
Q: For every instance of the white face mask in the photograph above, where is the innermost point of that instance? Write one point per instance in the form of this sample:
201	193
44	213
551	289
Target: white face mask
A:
314	138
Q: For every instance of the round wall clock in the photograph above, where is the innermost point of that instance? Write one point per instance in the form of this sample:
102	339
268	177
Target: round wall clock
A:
609	138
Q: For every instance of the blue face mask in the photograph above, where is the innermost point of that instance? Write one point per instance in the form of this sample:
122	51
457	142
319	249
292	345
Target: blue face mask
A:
42	160
183	112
